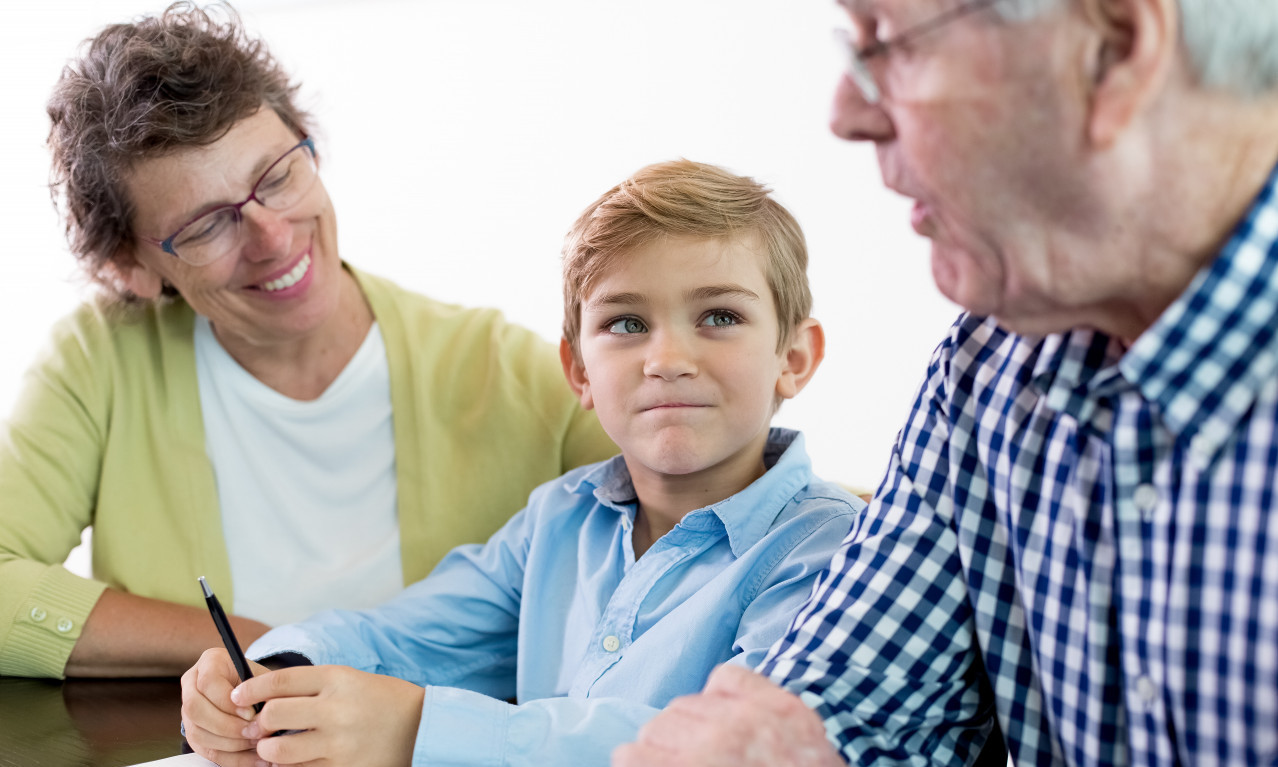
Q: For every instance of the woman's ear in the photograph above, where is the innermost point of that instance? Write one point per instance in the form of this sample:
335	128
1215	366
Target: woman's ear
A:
125	270
575	372
801	358
1136	45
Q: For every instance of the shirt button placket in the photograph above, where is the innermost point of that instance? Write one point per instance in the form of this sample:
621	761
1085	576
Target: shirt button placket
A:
1147	690
1146	500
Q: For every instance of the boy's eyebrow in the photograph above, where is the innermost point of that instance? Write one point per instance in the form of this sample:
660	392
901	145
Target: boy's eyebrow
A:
703	293
716	291
614	299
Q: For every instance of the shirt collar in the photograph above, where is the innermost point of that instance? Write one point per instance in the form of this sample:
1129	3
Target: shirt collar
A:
1206	357
1075	370
746	516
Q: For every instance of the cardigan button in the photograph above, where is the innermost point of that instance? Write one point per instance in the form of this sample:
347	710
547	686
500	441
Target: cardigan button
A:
38	614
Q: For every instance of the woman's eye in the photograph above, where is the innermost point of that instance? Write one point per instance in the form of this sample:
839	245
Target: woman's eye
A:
719	320
626	325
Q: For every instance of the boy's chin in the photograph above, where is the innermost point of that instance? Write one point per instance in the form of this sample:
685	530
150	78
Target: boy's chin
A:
670	458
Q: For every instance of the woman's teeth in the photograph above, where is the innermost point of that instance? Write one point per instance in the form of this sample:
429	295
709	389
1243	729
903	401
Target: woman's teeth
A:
290	279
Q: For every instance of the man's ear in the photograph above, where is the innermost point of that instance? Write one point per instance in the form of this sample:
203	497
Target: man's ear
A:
802	358
575	372
1136	44
125	270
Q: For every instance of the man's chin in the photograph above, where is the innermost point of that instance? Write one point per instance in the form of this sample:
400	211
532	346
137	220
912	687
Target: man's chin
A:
956	277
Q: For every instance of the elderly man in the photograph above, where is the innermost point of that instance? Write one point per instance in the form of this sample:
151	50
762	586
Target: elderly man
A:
1077	538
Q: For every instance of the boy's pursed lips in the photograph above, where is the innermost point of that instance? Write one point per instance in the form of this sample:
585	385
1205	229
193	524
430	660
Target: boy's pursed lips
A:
670	405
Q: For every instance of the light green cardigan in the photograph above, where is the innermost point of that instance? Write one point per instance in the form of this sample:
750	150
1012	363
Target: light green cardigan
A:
108	432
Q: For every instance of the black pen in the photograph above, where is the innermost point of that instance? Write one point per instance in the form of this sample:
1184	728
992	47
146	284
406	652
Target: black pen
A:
228	637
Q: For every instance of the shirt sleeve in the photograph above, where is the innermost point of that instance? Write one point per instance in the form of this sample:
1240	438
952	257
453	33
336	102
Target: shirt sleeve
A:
885	649
50	459
460	727
458	627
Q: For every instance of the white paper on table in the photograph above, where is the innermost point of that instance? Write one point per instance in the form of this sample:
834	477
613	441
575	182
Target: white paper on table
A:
185	760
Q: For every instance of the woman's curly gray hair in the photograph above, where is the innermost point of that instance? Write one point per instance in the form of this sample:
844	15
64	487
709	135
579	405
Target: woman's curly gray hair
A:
140	90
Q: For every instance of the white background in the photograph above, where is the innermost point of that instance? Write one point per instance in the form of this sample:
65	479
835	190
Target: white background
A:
460	139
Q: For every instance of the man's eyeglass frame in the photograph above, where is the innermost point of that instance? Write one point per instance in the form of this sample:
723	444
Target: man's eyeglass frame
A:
858	67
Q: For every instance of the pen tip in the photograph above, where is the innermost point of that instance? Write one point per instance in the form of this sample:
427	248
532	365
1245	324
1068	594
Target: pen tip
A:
208	592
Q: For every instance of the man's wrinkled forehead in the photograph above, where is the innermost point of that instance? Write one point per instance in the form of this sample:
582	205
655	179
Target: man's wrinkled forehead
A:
878	7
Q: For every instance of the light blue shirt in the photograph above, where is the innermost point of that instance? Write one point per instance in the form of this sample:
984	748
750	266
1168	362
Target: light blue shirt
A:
556	612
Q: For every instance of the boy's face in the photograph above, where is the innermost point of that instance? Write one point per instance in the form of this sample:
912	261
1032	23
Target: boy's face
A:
679	356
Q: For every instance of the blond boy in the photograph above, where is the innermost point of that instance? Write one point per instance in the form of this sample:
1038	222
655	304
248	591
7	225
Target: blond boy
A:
623	584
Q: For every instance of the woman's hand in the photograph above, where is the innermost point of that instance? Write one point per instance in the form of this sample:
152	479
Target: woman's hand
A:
344	717
214	725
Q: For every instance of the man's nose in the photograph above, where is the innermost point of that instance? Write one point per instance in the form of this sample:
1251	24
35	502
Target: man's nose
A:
852	118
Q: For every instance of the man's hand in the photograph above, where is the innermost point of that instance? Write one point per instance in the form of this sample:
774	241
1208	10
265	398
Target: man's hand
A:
740	720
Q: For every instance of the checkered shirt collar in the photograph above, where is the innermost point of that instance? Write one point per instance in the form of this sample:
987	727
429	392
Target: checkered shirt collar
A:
1204	359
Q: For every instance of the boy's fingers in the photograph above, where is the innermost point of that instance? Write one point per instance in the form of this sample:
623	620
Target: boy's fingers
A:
285	683
200	738
291	713
201	713
292	749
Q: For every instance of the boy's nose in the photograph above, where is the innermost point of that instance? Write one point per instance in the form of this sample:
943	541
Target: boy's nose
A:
670	356
852	118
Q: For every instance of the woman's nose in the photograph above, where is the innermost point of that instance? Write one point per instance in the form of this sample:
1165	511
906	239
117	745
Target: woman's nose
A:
265	233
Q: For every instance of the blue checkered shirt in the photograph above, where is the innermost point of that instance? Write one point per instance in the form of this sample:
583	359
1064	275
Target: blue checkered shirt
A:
1076	537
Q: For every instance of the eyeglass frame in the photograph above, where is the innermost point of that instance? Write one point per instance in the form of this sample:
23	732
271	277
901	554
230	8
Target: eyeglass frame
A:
858	70
167	243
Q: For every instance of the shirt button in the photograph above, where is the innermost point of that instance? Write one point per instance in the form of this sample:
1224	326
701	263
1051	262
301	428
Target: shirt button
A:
65	625
611	643
38	614
1200	449
1146	499
1146	689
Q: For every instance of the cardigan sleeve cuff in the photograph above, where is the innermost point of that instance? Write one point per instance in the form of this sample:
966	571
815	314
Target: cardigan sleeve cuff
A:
48	623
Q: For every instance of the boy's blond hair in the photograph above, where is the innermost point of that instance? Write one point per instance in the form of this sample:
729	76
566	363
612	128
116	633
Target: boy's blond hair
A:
685	198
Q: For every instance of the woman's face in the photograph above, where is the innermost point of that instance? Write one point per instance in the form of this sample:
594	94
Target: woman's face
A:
242	293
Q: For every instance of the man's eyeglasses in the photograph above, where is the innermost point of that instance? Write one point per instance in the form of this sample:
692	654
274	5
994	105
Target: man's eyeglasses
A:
858	60
215	233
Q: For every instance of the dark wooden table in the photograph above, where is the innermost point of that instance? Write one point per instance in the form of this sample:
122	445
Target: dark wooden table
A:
87	722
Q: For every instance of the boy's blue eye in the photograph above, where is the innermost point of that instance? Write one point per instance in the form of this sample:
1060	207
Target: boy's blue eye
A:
719	320
626	325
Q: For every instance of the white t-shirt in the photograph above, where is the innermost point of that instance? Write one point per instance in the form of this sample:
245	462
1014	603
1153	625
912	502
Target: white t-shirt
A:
307	489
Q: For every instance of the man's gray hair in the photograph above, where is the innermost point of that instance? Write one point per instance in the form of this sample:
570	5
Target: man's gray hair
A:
1232	44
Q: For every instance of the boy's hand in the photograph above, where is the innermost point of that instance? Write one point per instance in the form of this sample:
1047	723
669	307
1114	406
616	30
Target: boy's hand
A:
345	717
213	723
740	720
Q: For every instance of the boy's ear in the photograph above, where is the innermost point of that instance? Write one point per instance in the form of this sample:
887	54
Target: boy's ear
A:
124	269
802	358
575	372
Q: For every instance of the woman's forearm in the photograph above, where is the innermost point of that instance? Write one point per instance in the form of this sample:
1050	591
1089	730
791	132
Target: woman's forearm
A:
128	635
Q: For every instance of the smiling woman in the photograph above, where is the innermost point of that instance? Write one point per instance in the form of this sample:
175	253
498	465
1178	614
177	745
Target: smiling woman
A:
238	401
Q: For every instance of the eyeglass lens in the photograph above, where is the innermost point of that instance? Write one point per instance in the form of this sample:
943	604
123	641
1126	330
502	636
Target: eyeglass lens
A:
217	233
